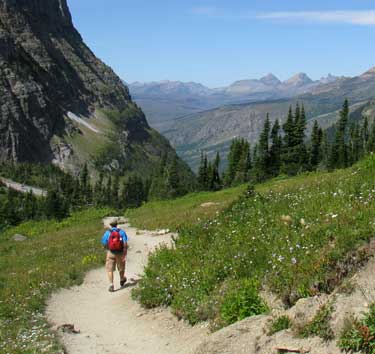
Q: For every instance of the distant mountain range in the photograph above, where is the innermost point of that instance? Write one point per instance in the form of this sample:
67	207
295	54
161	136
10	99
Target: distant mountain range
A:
164	101
213	130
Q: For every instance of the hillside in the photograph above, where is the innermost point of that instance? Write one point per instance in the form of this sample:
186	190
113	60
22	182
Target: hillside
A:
213	130
60	103
291	239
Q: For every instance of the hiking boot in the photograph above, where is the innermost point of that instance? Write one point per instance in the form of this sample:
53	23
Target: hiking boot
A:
122	282
111	288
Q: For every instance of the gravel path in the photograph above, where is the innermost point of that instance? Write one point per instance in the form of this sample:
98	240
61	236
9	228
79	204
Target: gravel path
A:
113	322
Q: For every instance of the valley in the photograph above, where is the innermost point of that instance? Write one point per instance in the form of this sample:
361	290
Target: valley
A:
212	130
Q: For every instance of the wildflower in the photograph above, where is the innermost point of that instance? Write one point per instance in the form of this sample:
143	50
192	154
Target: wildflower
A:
294	260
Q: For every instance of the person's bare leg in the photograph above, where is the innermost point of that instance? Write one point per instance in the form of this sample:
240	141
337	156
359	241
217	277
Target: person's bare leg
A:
110	277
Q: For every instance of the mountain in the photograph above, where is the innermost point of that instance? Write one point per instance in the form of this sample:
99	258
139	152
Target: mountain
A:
172	88
298	80
270	79
165	101
61	104
213	130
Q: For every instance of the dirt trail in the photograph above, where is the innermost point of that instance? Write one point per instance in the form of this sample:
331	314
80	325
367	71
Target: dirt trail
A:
113	322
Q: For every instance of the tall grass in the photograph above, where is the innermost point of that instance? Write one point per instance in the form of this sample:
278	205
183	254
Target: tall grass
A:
188	210
288	237
55	255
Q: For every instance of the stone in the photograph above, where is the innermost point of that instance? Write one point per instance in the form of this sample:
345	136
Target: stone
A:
19	238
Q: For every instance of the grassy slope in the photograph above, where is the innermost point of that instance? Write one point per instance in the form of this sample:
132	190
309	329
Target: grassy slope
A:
56	255
188	210
331	214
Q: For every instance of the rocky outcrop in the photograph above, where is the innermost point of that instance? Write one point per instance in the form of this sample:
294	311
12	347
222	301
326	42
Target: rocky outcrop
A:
46	71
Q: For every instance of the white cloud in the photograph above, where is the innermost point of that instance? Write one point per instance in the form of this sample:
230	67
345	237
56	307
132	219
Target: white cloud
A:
364	18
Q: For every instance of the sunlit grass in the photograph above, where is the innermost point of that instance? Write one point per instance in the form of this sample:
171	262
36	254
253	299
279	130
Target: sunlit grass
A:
188	210
55	255
289	236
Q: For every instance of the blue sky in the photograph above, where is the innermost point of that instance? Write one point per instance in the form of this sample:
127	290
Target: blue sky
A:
218	42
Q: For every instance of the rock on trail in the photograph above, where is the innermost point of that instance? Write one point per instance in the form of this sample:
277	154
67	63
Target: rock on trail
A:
113	322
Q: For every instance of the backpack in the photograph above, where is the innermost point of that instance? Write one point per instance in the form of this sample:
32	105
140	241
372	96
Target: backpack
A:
115	241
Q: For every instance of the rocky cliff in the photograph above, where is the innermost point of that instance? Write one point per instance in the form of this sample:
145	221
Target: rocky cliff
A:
55	93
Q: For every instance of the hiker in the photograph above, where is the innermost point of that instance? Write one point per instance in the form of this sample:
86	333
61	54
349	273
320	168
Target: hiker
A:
115	241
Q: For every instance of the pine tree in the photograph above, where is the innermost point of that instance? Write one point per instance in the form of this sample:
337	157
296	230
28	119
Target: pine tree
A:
203	173
99	191
301	150
133	192
275	150
115	190
316	146
108	192
234	157
262	163
288	150
29	207
325	150
339	151
365	133
371	140
356	144
215	180
244	164
55	206
173	181
84	180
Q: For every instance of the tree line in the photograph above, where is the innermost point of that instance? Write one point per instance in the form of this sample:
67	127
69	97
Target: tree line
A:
286	149
66	193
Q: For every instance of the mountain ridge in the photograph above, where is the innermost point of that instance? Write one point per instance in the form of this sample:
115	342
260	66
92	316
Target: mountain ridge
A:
166	100
212	130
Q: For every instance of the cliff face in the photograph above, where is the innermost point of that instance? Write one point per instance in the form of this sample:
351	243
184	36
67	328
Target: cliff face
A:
47	71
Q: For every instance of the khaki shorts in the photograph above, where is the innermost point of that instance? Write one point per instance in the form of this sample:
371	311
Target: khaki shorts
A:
112	260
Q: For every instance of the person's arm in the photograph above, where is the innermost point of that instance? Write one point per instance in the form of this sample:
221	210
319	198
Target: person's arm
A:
105	239
126	246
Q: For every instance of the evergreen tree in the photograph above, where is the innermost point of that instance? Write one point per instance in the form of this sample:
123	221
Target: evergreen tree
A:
275	150
371	140
339	151
262	163
365	133
99	191
288	148
29	207
55	206
316	146
85	186
133	192
108	192
215	180
355	144
244	164
115	190
234	157
301	151
173	181
10	209
203	173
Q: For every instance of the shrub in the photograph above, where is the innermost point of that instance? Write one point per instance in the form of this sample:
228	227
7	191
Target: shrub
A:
279	324
359	335
241	301
319	326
